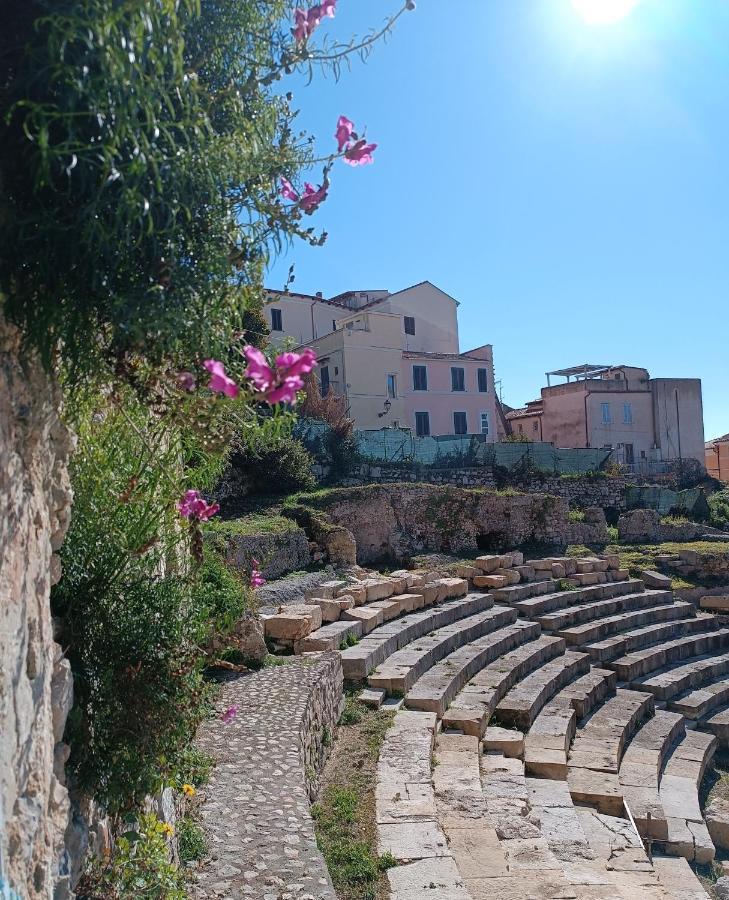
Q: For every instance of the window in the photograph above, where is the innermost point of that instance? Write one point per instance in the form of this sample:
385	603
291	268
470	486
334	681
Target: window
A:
606	418
409	325
392	386
536	426
422	424
629	454
521	428
484	423
460	423
276	320
458	380
627	414
483	380
420	378
324	376
334	324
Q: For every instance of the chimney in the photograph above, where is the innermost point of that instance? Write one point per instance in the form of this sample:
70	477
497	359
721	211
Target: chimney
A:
319	295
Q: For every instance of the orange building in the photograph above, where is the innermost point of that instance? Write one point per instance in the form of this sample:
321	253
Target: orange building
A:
717	458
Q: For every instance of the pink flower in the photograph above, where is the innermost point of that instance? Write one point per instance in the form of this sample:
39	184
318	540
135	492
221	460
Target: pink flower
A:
278	383
345	127
287	190
301	26
220	381
312	197
193	507
257	579
359	153
305	23
327	8
230	713
186	381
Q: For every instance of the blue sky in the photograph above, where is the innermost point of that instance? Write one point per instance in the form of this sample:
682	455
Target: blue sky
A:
568	184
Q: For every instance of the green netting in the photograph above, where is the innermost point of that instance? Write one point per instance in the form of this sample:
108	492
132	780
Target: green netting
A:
691	502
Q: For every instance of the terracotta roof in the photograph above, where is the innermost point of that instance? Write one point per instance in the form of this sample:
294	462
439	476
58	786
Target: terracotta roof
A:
720	440
524	411
293	295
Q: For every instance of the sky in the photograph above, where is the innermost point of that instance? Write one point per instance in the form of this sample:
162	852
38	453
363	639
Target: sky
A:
567	183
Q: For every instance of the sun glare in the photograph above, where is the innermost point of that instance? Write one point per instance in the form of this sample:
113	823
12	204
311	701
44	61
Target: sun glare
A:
604	12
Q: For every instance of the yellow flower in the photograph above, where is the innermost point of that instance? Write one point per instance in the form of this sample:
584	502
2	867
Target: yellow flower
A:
188	790
168	829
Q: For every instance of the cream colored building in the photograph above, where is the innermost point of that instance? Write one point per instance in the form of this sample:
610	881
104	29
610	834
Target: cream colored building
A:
395	357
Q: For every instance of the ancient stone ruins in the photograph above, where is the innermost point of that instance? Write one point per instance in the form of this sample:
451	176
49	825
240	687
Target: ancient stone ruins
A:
553	721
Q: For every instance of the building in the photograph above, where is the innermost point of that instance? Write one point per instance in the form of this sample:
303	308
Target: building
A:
642	419
395	357
717	458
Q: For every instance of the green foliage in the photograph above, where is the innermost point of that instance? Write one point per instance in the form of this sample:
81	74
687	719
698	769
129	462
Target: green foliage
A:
613	534
353	712
719	509
190	840
139	867
193	767
262	465
576	515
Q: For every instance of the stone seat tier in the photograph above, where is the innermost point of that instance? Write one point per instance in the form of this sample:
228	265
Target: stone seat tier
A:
599	609
523	703
536	606
718	725
638	638
329	637
702	702
640	772
688	835
378	645
548	742
600	742
641	662
515	593
404	667
598	630
435	690
676	679
473	706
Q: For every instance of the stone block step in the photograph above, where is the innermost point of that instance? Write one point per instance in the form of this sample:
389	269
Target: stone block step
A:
473	706
641	662
638	638
681	677
371	697
404	667
551	805
598	630
329	637
599	609
718	725
596	788
536	606
518	592
640	772
688	835
435	690
524	702
548	742
378	645
599	743
677	879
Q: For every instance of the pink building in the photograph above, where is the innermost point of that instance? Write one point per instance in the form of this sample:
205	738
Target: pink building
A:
395	357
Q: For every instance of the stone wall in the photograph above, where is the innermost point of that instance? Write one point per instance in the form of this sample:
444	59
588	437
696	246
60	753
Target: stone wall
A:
323	707
644	526
35	679
402	520
278	552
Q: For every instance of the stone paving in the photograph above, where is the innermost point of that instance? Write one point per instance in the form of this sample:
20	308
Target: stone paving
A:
256	810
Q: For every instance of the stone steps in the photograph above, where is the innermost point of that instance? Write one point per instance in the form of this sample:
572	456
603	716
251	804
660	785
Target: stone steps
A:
403	668
435	690
688	835
682	677
591	632
599	609
641	662
523	703
329	637
599	743
376	647
677	879
535	606
700	703
514	594
718	725
473	706
640	772
629	641
548	741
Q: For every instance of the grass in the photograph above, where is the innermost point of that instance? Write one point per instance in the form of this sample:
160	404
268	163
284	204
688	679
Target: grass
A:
715	785
344	814
251	525
576	515
190	840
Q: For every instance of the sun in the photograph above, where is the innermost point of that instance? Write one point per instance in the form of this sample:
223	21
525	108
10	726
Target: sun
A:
604	12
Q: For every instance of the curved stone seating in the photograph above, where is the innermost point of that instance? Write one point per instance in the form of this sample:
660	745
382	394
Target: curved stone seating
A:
535	606
718	725
474	704
700	703
548	741
641	662
572	616
360	660
599	629
640	772
404	667
523	703
639	638
435	690
688	835
681	677
516	593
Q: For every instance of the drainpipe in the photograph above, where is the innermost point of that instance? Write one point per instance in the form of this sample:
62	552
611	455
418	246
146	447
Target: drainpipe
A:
678	425
311	309
587	426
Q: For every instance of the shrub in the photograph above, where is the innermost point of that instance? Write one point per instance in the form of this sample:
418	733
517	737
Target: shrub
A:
281	465
719	509
190	840
576	515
